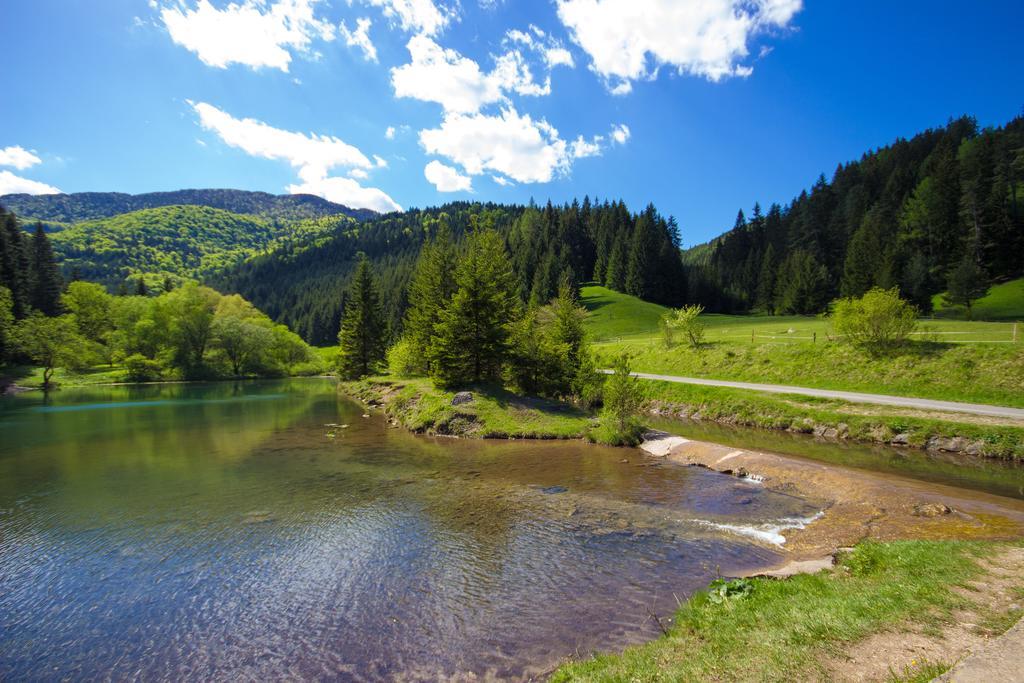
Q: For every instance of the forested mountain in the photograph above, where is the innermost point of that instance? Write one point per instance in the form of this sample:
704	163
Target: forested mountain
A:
906	215
303	285
177	241
84	206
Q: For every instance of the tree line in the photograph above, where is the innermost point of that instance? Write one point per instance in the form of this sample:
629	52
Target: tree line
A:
941	211
305	285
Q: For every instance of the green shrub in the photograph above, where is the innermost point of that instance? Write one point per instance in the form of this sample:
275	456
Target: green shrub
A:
623	401
402	360
685	321
138	368
879	318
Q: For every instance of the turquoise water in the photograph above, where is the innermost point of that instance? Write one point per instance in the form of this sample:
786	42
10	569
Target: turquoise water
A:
228	531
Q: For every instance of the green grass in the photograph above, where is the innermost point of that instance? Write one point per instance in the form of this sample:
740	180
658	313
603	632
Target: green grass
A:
783	350
613	314
493	413
808	415
784	630
1004	301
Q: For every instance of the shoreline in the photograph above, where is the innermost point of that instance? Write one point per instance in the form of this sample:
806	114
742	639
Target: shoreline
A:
857	505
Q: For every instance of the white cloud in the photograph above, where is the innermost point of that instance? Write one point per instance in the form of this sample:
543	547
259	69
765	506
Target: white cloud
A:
504	182
581	148
389	133
12	184
457	83
621	133
558	56
253	33
436	74
446	179
629	40
358	174
360	38
18	157
416	16
348	192
313	156
514	145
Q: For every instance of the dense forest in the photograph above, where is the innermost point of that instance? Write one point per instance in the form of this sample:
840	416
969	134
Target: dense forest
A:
304	285
174	241
86	206
913	215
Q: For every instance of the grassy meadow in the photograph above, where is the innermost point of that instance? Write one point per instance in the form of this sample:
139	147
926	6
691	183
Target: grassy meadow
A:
769	630
958	360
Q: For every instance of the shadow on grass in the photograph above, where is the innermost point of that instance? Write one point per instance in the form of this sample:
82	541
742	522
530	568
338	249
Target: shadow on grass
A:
507	399
907	350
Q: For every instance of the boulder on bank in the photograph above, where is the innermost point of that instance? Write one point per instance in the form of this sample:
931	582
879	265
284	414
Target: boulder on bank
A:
462	397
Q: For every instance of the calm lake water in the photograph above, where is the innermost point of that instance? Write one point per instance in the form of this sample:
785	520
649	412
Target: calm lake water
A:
221	532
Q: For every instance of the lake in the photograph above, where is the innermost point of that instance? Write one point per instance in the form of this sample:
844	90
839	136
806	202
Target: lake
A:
230	531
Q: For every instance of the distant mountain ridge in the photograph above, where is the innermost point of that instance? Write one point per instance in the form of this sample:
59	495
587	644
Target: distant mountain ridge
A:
84	206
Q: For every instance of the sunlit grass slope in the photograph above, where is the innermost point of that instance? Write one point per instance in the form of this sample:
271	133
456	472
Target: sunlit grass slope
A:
1005	301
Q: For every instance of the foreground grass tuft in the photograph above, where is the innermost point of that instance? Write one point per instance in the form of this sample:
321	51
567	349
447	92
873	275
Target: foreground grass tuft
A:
783	630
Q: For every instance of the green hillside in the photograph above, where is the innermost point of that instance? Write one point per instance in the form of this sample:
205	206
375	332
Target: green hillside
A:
614	314
1005	301
57	209
183	241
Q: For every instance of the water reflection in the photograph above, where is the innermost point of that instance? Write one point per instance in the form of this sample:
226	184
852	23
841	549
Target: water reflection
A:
221	532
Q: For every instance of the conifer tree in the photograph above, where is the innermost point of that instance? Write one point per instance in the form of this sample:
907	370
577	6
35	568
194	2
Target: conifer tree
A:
14	264
615	276
47	283
863	261
966	284
431	288
765	296
471	340
362	335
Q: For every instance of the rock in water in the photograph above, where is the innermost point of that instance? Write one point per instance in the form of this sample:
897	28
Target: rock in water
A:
462	397
931	510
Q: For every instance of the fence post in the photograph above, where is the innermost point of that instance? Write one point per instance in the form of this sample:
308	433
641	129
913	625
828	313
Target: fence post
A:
752	336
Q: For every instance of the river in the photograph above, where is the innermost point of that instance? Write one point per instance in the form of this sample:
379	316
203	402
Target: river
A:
238	531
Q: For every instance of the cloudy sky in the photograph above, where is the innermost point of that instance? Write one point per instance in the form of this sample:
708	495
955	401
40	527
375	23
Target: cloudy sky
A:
702	107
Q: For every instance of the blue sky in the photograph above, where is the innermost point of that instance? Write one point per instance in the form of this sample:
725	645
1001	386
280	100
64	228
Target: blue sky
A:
699	107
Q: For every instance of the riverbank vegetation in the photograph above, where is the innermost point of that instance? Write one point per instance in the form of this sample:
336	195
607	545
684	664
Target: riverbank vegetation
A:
838	420
798	629
488	411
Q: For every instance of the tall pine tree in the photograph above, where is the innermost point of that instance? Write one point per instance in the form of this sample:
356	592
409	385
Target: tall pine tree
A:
47	283
471	340
363	332
431	287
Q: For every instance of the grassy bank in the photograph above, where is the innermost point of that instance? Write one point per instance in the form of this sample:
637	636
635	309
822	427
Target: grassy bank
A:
836	419
793	629
493	412
783	350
